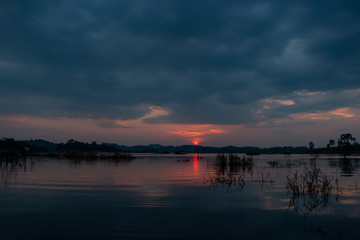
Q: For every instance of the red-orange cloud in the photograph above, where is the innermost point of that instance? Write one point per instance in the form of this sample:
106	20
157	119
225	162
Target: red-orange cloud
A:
198	133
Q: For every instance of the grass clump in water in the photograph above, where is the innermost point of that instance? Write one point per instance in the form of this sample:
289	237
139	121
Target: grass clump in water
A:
234	162
314	188
230	170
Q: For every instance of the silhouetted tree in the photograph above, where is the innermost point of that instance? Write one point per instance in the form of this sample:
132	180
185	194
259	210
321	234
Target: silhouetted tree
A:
344	143
10	149
331	143
76	146
345	140
311	145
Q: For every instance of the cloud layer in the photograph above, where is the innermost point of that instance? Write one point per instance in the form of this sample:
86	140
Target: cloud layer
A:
200	62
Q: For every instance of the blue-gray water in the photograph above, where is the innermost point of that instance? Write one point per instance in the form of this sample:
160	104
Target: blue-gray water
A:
173	197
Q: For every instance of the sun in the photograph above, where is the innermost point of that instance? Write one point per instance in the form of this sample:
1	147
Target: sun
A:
195	142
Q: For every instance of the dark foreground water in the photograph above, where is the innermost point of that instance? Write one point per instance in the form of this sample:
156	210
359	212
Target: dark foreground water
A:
178	197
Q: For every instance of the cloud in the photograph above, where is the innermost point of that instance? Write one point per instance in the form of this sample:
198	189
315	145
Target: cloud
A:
345	112
288	102
194	133
308	103
198	133
198	62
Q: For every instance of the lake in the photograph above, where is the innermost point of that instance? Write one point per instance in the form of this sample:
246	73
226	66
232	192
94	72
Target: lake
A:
181	197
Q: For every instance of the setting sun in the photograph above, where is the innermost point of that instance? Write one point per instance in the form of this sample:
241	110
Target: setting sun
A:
195	142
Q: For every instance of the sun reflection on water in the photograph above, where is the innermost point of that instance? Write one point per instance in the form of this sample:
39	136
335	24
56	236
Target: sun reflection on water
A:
195	162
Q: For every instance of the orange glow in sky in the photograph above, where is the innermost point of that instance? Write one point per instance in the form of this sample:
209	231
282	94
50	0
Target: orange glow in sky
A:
198	133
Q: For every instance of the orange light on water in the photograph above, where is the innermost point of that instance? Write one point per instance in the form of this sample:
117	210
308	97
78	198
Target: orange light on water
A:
196	162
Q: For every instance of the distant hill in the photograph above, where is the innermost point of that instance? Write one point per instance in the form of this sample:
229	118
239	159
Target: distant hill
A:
42	144
71	145
157	148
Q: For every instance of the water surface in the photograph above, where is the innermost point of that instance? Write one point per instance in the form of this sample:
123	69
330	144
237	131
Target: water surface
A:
173	197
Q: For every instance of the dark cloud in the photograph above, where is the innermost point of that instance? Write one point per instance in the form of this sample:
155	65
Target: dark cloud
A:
205	61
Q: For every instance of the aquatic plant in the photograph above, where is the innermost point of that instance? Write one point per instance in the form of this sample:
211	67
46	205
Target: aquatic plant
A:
314	188
231	181
12	155
233	161
265	177
220	159
228	179
230	170
10	168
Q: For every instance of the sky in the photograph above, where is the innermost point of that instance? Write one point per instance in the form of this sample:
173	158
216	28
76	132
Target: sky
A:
173	72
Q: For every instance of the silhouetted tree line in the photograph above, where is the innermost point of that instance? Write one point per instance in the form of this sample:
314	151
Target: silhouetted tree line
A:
11	144
11	148
207	149
346	145
76	146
